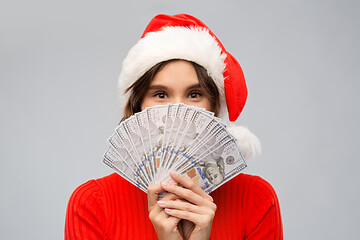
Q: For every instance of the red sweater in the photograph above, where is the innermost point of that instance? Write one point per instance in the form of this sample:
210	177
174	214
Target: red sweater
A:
112	208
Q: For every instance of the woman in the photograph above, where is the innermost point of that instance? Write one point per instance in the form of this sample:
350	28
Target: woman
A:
178	60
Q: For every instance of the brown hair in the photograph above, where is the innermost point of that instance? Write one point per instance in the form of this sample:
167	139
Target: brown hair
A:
139	88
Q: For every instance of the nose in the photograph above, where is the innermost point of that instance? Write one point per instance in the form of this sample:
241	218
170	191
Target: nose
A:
176	99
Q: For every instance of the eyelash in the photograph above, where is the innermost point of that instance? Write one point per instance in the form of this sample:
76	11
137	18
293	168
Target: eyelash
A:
198	93
159	93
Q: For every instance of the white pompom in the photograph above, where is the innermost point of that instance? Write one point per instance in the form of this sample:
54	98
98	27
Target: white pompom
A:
249	144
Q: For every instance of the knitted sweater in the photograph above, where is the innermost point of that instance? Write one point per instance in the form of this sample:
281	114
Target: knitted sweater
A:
112	208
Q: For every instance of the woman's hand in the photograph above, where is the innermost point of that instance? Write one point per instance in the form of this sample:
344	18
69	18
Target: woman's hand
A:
166	226
198	207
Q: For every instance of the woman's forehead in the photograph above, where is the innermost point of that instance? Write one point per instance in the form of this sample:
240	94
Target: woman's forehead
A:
176	74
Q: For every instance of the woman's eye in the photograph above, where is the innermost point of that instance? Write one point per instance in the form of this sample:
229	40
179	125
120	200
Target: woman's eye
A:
195	94
160	95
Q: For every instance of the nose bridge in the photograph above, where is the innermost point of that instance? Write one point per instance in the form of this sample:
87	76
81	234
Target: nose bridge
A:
177	99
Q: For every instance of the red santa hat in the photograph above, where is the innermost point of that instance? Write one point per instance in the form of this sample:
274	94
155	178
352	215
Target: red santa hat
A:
185	37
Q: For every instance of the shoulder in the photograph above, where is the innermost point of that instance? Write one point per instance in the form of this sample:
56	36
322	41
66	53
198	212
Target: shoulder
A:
96	188
260	205
257	188
97	206
251	202
250	185
86	193
254	193
261	208
87	211
103	192
91	197
113	179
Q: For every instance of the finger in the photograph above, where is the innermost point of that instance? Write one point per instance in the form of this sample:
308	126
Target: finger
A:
184	193
169	225
153	192
189	184
173	221
192	217
169	196
155	209
158	214
181	205
186	206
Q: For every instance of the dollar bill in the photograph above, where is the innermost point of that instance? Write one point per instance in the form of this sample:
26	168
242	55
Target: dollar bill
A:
143	126
130	153
156	120
168	133
212	140
216	167
185	131
134	136
205	127
175	137
115	161
220	168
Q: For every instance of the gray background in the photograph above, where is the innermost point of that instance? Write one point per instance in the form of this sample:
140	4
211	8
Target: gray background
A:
59	63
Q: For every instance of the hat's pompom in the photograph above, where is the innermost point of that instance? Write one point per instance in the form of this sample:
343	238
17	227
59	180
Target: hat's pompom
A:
249	144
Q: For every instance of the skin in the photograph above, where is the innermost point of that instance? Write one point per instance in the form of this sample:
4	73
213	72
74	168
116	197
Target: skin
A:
186	211
177	82
185	200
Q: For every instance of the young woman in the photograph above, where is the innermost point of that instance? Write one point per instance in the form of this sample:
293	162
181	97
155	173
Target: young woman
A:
179	60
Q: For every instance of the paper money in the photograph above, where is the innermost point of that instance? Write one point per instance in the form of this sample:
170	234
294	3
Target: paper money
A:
113	160
176	137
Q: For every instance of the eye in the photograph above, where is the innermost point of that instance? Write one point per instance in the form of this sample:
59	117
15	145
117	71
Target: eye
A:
161	95
195	94
215	176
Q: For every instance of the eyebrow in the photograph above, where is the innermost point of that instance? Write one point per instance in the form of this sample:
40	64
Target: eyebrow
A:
157	87
154	87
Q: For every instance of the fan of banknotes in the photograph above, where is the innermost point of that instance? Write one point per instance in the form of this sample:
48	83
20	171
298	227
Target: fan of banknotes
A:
176	137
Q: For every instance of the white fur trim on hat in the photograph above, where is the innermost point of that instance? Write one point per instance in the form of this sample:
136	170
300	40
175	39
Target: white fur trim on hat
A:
193	44
249	144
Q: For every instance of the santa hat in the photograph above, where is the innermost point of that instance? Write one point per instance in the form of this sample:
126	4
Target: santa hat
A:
185	37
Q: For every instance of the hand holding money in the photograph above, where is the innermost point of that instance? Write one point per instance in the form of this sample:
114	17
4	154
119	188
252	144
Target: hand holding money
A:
195	206
166	226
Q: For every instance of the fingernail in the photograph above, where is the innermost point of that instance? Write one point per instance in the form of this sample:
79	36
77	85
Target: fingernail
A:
164	184
175	174
172	182
167	210
161	203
